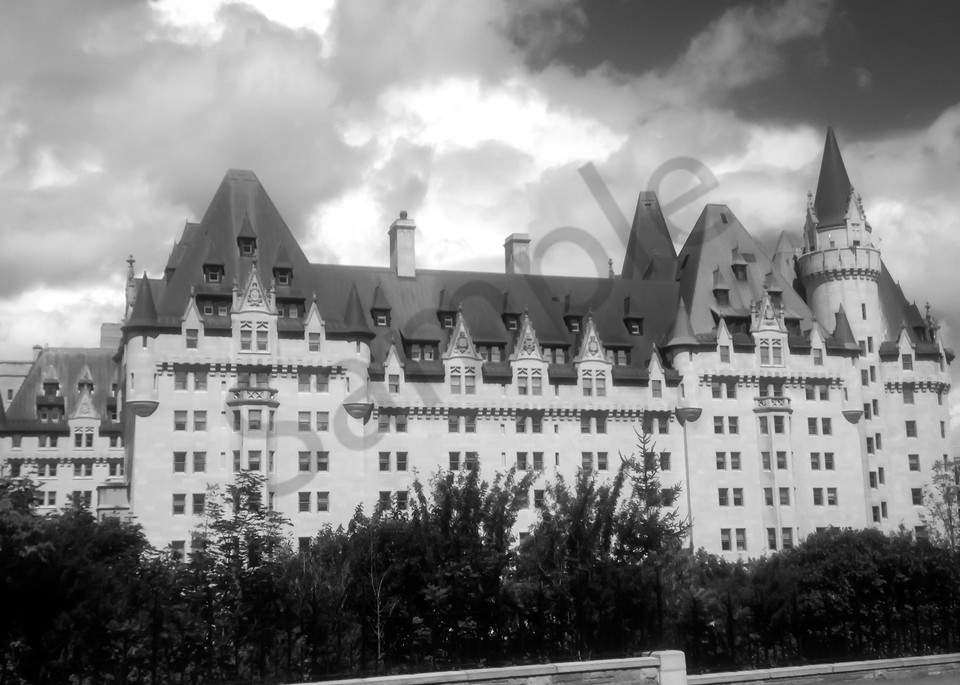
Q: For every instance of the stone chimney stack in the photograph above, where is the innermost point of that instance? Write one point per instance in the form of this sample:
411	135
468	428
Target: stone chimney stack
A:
516	251
402	253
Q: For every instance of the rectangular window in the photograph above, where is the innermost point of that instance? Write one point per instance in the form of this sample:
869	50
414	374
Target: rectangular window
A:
522	385
261	341
738	497
908	362
323	382
323	501
656	388
323	421
601	384
303	502
815	461
401	499
818	497
832	497
455	385
718	425
313	342
873	374
765	460
253	419
787	534
781	460
911	427
741	539
664	461
303	421
246	340
536	422
827	426
538	461
537	384
828	461
716	390
401	461
472	460
236	461
663	425
768	496
601	423
198	503
179	420
735	461
192	338
453	423
179	504
916	496
876	514
818	357
914	460
723	497
772	538
725	539
721	461
866	411
179	380
584	423
470	383
873	479
254	460
179	462
880	475
601	461
778	424
303	460
384	461
323	461
400	421
733	425
394	382
812	426
383	423
200	420
303	382
586	461
785	497
454	461
764	425
200	381
521	461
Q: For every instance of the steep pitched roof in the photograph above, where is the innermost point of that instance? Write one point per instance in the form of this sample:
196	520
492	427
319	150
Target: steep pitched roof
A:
650	252
69	366
833	187
716	241
240	205
842	336
380	300
681	333
354	319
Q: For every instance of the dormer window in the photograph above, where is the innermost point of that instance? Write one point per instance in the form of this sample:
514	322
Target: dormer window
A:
426	352
248	246
283	276
511	321
212	273
723	297
771	352
573	323
50	389
381	317
208	309
446	319
740	272
634	326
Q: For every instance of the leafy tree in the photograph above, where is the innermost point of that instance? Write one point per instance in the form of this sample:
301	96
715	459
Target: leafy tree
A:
942	515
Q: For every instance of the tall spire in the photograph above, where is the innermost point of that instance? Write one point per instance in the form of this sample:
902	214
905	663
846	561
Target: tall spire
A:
833	188
650	251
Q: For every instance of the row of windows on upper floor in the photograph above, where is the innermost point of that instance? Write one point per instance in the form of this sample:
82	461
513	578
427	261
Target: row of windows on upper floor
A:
50	389
727	497
82	439
51	469
77	498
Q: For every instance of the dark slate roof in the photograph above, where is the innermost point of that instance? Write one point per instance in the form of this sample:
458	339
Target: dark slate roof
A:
705	261
842	336
681	333
650	252
833	187
239	204
354	319
68	366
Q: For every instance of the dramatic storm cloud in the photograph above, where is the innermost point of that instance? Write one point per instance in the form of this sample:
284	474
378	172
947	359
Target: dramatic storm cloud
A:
118	120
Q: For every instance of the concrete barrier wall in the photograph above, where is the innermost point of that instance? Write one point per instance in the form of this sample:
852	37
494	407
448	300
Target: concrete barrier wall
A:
661	668
945	665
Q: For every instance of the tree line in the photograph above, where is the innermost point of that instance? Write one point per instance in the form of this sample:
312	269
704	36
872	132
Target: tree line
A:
444	584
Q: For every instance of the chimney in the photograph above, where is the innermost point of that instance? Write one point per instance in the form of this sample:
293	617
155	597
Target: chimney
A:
37	349
402	254
516	251
111	336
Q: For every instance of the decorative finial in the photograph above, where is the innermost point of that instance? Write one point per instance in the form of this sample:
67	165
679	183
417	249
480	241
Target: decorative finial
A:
610	268
130	263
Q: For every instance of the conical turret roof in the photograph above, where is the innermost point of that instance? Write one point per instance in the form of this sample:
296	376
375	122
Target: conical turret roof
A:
681	332
833	187
842	333
354	318
144	314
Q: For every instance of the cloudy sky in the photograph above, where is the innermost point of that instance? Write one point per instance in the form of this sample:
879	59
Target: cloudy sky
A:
118	120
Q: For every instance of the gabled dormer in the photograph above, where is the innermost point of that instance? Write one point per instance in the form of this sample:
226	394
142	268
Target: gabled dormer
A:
255	315
724	342
380	309
738	264
907	350
85	381
191	324
769	331
314	327
632	319
461	346
247	239
283	269
527	347
721	289
446	311
213	272
510	313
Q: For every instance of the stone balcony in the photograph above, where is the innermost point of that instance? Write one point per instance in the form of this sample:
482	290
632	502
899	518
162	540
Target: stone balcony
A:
251	397
771	403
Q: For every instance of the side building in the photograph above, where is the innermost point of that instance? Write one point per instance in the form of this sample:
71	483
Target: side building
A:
784	393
